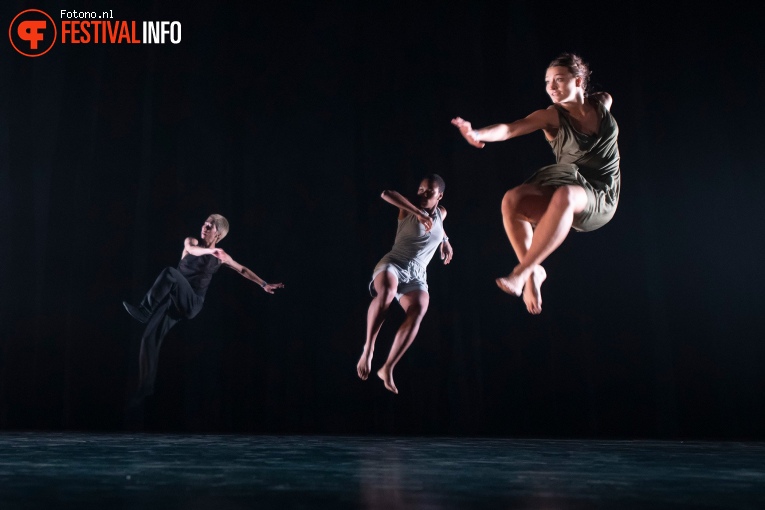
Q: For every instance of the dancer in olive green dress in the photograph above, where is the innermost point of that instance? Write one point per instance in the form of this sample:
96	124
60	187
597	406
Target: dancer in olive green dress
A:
581	191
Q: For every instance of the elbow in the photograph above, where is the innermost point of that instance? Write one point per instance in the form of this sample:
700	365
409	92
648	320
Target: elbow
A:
390	196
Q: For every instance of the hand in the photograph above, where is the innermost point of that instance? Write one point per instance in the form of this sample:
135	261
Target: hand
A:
426	220
446	252
270	287
466	129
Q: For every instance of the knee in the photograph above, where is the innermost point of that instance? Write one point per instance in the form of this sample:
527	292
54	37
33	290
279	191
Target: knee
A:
385	286
417	311
385	296
510	200
564	197
168	273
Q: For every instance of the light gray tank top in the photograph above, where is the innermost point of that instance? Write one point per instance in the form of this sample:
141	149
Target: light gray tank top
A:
413	243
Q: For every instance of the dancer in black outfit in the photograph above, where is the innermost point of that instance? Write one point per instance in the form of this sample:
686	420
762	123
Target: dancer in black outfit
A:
180	293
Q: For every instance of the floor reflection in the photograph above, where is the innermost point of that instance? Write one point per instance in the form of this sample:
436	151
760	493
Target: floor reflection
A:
86	471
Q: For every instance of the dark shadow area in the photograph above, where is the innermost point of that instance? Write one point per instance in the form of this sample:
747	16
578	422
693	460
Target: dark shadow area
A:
290	118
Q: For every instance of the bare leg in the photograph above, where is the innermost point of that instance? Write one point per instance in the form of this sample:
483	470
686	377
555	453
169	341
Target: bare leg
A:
552	229
415	304
520	206
385	284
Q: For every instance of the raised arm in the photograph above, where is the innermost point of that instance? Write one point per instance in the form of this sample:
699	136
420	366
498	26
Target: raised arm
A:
225	258
191	246
406	207
540	119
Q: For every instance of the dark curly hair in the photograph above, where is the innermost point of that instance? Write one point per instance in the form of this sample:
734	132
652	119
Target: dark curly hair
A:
437	180
576	65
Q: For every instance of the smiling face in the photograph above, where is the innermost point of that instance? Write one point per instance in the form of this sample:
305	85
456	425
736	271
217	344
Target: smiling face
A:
561	85
209	232
429	194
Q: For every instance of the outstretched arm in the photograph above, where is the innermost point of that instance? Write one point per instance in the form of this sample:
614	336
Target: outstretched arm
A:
239	268
191	246
406	207
540	119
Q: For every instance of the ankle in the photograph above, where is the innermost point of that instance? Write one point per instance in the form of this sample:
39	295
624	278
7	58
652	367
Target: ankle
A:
520	271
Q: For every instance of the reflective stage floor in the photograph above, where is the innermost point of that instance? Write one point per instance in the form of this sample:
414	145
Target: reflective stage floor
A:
89	471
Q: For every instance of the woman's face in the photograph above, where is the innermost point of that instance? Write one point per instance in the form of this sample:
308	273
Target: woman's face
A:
209	231
561	85
429	194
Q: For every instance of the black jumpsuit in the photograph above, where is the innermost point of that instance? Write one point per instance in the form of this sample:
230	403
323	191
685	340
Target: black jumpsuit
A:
176	294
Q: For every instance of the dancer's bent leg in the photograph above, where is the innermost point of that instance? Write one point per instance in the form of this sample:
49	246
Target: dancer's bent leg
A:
165	284
170	299
385	285
415	304
520	206
552	229
148	358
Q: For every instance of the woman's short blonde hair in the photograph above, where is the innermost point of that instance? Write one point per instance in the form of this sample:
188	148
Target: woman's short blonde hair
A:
221	225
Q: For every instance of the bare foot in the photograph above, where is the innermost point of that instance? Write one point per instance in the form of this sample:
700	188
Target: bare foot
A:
532	292
364	366
387	377
512	284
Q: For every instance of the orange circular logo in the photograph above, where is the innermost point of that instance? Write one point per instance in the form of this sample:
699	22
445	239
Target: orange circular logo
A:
32	33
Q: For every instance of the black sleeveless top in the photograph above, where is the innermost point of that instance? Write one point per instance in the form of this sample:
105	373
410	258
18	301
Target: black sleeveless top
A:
198	271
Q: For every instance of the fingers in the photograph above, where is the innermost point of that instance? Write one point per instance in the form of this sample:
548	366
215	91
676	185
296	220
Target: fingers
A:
273	286
446	254
466	129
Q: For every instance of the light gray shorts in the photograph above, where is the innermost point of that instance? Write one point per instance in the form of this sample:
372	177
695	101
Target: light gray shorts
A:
410	278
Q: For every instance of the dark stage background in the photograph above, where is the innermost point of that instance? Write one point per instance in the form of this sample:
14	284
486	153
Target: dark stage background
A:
290	119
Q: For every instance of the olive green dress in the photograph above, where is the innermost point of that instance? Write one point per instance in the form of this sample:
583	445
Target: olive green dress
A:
589	161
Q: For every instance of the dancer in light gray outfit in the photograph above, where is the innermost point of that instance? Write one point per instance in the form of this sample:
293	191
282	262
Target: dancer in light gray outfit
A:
402	273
